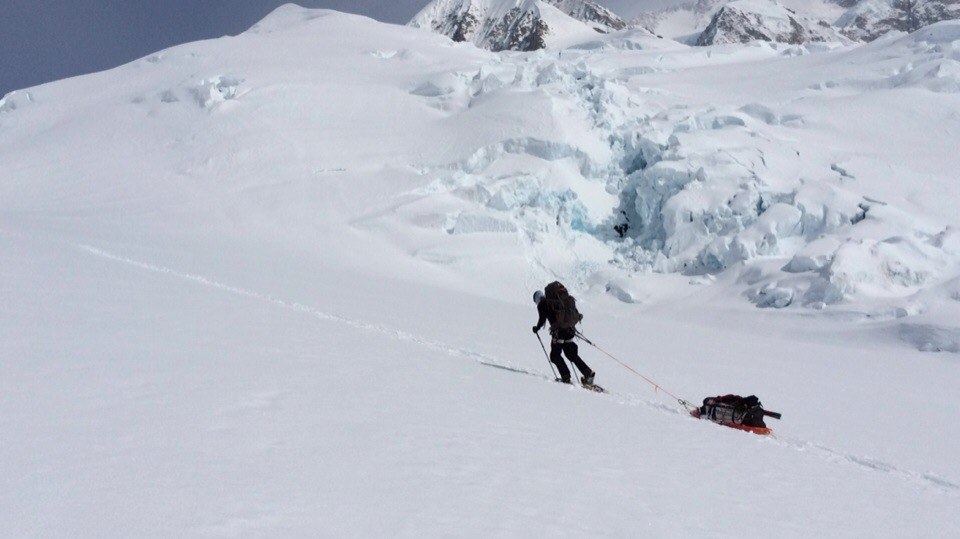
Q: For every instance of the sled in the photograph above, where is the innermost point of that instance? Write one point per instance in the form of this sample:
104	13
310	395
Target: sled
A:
763	431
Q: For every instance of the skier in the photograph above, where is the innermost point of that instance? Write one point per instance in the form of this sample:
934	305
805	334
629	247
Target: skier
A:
557	306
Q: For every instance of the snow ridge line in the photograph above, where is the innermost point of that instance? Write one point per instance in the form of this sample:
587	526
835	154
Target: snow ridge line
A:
868	463
830	455
479	357
306	309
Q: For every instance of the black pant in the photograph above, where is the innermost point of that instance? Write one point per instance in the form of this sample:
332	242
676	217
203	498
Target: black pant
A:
570	349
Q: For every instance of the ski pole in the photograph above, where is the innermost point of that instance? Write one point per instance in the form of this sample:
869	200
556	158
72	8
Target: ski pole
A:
573	373
554	371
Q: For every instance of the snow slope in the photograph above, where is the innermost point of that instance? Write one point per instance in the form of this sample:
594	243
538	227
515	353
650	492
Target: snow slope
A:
251	291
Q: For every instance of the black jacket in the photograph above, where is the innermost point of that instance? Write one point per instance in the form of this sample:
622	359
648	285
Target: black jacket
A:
546	315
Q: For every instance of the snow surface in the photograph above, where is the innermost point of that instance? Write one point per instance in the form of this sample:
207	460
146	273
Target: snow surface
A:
279	284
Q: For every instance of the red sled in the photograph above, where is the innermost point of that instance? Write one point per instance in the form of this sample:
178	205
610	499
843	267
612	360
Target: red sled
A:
763	431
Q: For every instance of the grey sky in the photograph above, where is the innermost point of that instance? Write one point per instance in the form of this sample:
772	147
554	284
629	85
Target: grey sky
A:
45	40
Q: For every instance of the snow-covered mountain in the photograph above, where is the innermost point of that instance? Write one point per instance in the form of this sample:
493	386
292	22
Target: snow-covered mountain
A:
867	20
860	20
521	25
602	19
247	291
708	22
742	21
683	22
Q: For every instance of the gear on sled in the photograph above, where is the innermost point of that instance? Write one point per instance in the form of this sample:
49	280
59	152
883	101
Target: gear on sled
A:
744	413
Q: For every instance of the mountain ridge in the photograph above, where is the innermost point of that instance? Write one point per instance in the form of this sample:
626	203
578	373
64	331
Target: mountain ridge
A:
522	25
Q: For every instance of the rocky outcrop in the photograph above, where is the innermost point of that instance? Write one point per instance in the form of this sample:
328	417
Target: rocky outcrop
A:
521	25
518	30
867	20
601	18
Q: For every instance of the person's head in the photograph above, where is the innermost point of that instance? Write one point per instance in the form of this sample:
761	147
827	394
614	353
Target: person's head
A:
538	296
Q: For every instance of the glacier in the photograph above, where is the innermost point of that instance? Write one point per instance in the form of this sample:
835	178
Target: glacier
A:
279	284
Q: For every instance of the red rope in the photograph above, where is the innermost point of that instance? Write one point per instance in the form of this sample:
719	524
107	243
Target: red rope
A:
656	386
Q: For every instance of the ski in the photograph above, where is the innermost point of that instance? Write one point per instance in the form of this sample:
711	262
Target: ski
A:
593	387
589	387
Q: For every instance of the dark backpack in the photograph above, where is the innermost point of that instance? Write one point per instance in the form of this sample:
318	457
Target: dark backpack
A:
562	305
747	411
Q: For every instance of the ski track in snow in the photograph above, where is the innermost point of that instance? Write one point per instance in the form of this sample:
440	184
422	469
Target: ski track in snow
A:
299	307
928	479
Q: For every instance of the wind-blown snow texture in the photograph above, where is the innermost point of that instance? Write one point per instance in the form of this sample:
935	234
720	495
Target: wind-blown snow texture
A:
249	290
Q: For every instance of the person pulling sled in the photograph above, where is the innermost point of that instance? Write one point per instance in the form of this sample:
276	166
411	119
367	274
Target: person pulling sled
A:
556	305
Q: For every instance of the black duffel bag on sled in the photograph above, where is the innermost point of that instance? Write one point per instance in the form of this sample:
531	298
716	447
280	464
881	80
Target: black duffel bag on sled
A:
744	413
